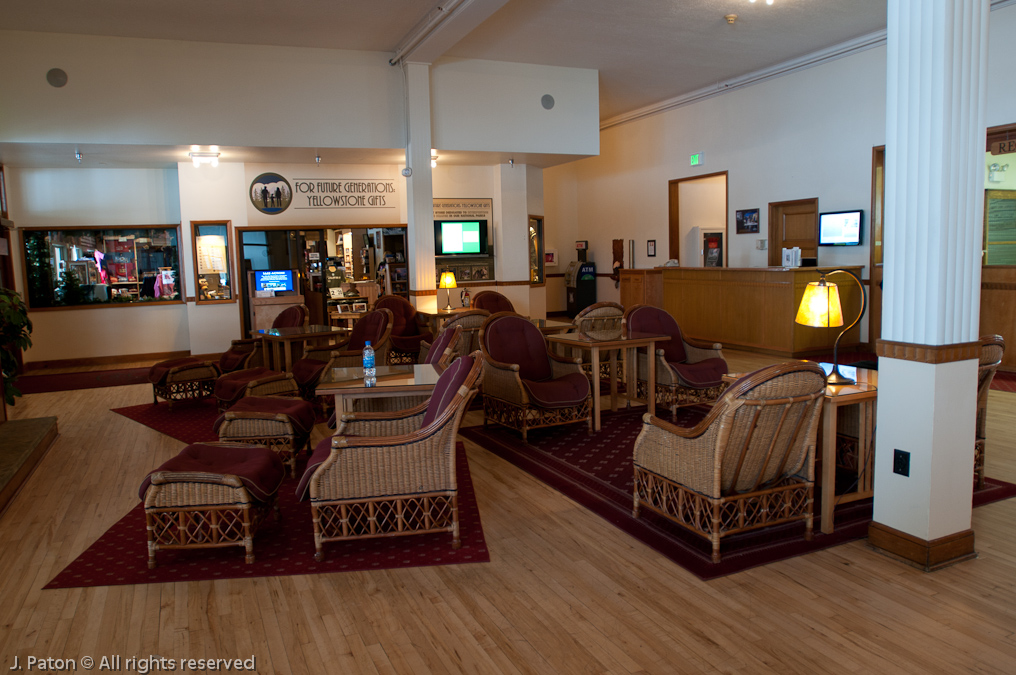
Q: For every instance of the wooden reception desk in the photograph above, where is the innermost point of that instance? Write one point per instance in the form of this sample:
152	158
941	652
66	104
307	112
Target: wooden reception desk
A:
754	308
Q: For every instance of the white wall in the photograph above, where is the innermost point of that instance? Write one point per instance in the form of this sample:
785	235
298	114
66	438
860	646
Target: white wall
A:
490	105
166	92
93	198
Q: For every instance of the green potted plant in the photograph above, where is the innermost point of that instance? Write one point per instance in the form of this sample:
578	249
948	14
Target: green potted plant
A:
15	332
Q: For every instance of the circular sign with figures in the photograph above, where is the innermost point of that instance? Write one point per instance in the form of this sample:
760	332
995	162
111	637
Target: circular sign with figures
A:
271	193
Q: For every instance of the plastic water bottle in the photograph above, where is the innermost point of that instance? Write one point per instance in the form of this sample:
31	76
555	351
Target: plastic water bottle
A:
369	371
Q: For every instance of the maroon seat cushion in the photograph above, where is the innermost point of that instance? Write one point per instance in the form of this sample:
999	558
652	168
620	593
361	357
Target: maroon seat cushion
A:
493	302
447	386
260	469
439	345
564	392
230	387
321	452
656	321
371	326
299	412
306	371
703	374
403	315
514	339
157	373
410	343
291	317
232	359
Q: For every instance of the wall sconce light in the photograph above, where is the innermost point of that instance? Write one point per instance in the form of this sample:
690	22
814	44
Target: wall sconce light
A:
994	170
448	282
820	307
199	158
77	156
317	160
433	162
768	2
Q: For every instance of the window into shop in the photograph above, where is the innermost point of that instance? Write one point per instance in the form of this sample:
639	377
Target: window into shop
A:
212	262
80	267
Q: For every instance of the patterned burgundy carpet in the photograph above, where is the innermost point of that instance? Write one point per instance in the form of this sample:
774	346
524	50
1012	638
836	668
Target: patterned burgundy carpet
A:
120	556
596	471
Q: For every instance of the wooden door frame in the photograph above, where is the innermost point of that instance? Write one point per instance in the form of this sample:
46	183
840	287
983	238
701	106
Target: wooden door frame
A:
776	252
875	269
674	213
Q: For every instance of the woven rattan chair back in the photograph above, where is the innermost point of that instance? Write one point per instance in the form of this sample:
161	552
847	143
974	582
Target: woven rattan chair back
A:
601	321
470	323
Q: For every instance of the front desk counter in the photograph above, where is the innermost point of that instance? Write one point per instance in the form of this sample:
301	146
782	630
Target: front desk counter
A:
754	308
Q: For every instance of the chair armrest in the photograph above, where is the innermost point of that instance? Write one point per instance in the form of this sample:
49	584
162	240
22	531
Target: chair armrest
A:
274	377
365	428
700	351
686	456
576	360
561	366
244	341
502	380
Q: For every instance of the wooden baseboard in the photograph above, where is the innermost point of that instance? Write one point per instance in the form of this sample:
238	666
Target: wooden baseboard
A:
927	555
104	360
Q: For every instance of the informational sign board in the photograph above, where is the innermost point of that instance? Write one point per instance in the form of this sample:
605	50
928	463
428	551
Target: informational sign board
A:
211	251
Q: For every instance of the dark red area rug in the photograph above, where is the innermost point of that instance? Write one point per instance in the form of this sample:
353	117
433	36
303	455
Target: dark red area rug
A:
39	384
120	556
596	471
188	421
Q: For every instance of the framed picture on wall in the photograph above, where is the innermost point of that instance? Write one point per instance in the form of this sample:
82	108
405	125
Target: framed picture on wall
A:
651	248
746	221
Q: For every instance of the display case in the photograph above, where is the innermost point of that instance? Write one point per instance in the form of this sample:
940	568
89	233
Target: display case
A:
396	259
74	267
212	264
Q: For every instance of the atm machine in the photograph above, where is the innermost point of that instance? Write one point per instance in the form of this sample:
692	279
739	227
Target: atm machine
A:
580	281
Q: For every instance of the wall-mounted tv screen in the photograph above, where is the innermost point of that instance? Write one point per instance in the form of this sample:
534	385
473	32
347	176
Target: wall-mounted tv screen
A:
460	237
841	228
273	280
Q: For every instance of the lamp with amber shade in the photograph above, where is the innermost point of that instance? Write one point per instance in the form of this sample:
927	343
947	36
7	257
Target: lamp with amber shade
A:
820	307
448	282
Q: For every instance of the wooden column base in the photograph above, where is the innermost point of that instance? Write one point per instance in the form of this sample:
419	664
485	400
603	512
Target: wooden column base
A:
927	555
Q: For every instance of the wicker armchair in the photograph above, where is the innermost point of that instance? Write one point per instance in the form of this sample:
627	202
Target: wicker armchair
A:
470	322
749	464
525	385
390	474
493	302
409	329
375	326
687	371
194	378
992	349
602	321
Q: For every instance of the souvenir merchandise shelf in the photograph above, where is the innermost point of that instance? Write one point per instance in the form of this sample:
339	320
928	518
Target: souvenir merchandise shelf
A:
394	242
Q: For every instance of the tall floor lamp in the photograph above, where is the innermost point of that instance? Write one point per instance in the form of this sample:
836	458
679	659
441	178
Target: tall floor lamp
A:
820	307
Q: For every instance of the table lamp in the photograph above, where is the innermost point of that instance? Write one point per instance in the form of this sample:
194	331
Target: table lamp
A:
448	282
820	307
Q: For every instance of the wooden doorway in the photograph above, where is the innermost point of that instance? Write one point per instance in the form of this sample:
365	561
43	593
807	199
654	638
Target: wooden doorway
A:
793	224
697	205
877	221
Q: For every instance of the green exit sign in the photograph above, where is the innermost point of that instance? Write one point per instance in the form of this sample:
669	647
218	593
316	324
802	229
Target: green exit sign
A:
697	159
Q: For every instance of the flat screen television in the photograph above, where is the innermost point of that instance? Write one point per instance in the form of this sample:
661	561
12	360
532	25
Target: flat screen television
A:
460	237
840	228
274	280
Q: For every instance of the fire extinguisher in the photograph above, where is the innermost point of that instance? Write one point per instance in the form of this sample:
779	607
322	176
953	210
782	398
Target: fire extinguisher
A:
464	297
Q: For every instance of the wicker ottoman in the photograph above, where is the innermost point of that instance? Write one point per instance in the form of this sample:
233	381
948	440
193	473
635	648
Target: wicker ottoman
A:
261	381
281	424
180	379
211	495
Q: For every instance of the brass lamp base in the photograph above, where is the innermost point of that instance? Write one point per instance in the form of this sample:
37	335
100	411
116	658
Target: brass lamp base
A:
836	377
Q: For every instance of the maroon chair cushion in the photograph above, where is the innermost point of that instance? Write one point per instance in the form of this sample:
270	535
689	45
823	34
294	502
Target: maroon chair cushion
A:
299	412
232	359
655	320
230	387
260	469
306	371
703	374
371	326
157	373
403	315
439	345
564	392
514	339
493	302
291	317
410	343
321	452
446	388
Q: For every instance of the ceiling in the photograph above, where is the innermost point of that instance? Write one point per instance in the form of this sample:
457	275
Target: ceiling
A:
646	51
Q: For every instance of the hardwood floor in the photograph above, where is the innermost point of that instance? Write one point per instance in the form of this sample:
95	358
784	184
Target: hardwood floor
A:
565	592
